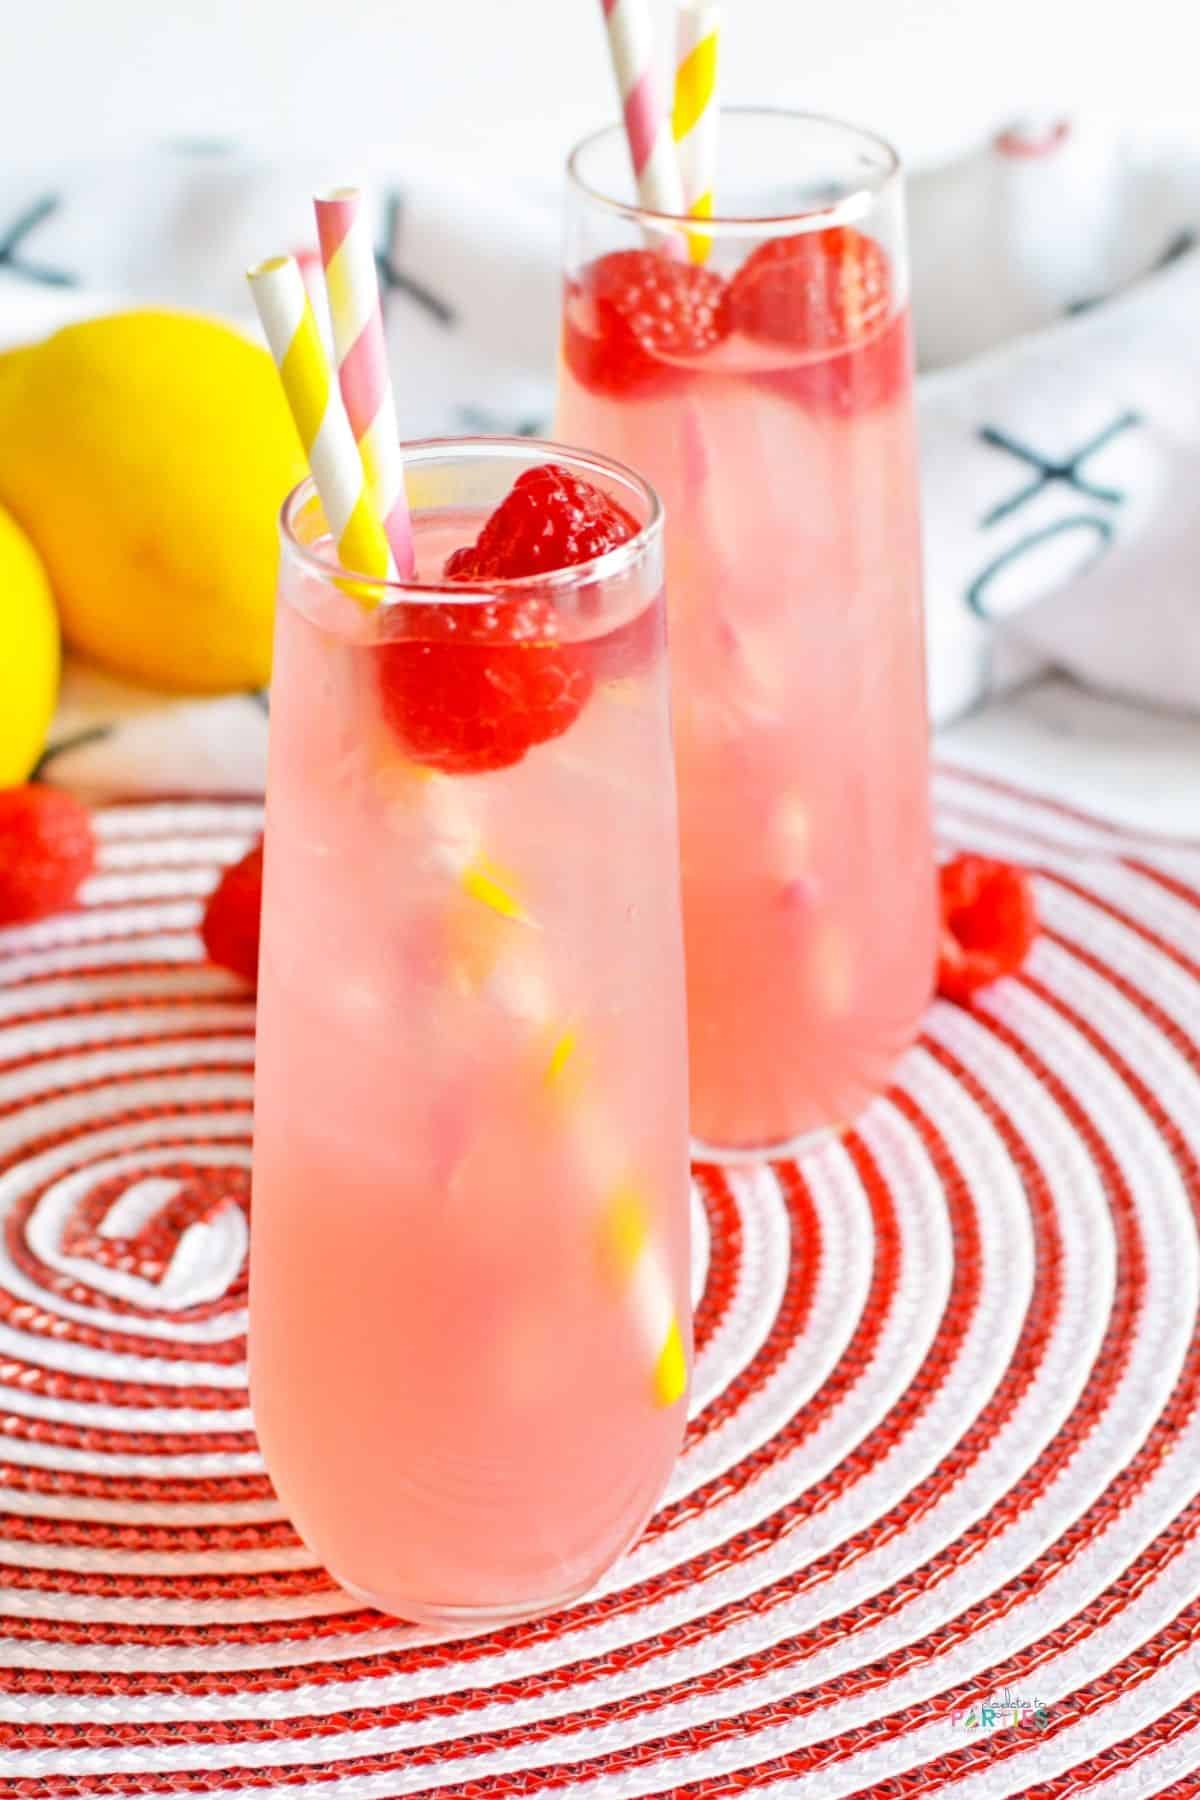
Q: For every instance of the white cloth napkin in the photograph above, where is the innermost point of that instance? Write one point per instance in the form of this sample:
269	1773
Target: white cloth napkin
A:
1059	464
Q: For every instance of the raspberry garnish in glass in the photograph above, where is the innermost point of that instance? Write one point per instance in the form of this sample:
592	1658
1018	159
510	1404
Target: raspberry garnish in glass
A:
759	373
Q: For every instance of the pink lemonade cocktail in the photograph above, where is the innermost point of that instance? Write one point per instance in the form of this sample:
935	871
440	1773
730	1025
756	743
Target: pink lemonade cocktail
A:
759	374
470	1317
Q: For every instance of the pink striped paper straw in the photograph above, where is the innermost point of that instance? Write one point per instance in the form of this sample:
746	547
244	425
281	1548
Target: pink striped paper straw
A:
348	254
647	117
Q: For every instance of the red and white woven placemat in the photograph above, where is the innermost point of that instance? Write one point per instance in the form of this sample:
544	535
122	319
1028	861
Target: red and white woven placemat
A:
943	1472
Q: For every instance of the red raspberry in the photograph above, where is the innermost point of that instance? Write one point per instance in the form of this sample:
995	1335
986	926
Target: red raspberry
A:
830	292
631	309
231	918
471	688
989	921
551	520
47	846
817	290
474	687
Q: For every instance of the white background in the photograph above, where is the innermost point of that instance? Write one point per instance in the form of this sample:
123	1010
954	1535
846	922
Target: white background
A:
376	80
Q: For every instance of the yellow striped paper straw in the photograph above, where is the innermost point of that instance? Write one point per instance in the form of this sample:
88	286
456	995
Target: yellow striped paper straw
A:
627	1243
489	954
291	330
629	1247
503	953
695	115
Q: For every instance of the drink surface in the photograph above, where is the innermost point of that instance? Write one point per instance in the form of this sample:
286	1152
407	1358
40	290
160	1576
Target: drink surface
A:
793	556
470	1125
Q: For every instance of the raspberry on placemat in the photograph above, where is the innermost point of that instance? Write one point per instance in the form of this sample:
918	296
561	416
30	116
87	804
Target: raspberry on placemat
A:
47	846
989	921
231	918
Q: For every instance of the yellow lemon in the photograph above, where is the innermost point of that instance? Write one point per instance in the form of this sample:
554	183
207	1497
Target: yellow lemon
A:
28	654
146	454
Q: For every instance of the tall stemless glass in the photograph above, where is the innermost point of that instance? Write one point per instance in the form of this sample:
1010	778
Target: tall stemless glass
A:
469	1287
759	373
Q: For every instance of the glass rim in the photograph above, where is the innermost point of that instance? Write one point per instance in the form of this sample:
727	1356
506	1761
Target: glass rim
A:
854	205
612	564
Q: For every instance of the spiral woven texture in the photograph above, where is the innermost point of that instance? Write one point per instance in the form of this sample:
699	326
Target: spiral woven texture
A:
936	1528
